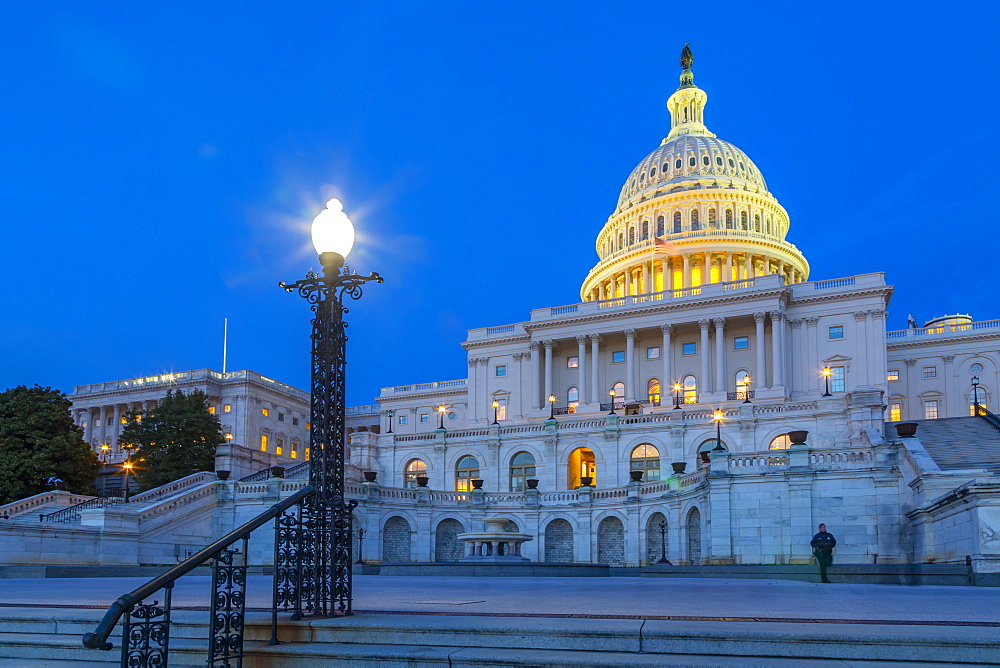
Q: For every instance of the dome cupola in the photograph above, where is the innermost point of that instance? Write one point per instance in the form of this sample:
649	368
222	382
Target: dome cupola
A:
695	210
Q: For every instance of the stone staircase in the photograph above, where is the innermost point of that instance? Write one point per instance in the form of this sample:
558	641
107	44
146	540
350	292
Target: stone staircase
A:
35	637
958	443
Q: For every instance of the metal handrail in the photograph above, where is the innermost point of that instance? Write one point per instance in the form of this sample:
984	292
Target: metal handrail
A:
257	476
991	418
70	513
98	638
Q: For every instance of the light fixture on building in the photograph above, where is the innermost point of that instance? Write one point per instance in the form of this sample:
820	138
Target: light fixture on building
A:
552	407
612	395
975	396
826	374
496	411
441	410
718	416
677	395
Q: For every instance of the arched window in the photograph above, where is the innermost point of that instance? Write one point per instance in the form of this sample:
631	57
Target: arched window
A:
756	222
677	164
780	442
742	381
677	222
466	471
631	236
743	220
713	221
718	160
983	396
522	468
695	222
645	230
710	444
653	391
572	397
689	389
659	226
729	219
652	172
692	161
646	458
619	389
705	160
621	241
581	463
415	467
695	276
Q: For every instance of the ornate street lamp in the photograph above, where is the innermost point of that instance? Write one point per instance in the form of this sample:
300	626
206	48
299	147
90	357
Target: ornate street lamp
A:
322	577
718	416
127	469
677	395
496	409
826	374
975	395
612	395
441	410
663	544
389	414
552	407
361	539
746	390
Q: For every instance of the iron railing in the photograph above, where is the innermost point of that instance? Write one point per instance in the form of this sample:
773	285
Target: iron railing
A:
991	418
739	396
72	513
146	626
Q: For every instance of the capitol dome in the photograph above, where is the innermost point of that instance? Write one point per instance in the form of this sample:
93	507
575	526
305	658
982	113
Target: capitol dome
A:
695	210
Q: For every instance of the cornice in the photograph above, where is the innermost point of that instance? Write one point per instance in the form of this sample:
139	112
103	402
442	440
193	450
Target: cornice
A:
470	345
883	291
896	344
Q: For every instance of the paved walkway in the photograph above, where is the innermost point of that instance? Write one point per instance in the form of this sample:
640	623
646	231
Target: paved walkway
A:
627	597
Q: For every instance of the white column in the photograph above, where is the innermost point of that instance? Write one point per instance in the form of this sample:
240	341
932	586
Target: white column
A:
104	424
720	354
760	379
581	354
88	430
646	272
948	409
535	374
117	426
473	388
729	267
628	281
796	362
777	347
705	382
685	273
811	363
595	381
666	354
548	371
630	394
861	334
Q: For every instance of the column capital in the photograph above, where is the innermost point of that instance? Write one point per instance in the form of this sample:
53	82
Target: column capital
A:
518	356
581	339
812	321
720	322
594	338
860	315
948	359
483	360
759	317
547	343
667	329
535	345
876	312
776	316
910	361
629	333
704	323
795	323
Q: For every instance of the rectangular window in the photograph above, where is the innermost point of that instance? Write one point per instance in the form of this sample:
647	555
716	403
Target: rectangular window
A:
308	452
265	411
502	409
893	374
500	370
263	442
211	410
930	409
111	421
402	419
741	343
837	332
227	408
279	448
895	412
930	372
424	417
124	420
618	357
281	417
572	362
690	348
837	379
653	353
294	454
295	422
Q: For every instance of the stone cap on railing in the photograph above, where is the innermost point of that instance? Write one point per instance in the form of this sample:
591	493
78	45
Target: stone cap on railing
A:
417	388
943	330
167	379
51	499
175	487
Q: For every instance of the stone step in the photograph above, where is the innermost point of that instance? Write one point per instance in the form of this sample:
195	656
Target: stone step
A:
957	443
439	640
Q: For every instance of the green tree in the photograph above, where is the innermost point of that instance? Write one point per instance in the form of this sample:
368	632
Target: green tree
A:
173	440
39	441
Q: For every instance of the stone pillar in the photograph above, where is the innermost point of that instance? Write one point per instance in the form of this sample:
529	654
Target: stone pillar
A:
535	373
811	362
646	273
628	281
796	363
666	355
802	528
630	394
720	530
600	290
950	391
720	354
861	376
581	354
685	271
777	348
760	379
88	430
595	368
474	388
117	427
548	370
729	267
705	382
104	424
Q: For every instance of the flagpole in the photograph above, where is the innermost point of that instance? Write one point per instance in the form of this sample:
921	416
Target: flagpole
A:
225	342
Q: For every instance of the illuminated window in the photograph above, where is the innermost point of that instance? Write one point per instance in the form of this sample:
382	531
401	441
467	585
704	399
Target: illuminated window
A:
309	425
402	419
281	417
646	458
522	468
500	370
265	412
618	357
689	348
227	408
424	417
619	389
308	453
572	396
653	391
893	374
572	362
929	372
653	353
895	411
124	419
695	277
836	332
741	343
466	471
742	381
415	468
689	390
837	379
279	447
780	442
502	409
211	410
263	442
294	454
713	274
930	409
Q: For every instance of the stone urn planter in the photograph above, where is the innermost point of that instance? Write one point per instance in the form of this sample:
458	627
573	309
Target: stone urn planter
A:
586	481
422	481
532	483
704	456
223	475
798	437
277	471
370	476
60	485
477	483
906	429
636	476
678	467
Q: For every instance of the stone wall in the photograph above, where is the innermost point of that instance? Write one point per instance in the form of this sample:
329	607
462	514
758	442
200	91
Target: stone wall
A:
558	542
396	547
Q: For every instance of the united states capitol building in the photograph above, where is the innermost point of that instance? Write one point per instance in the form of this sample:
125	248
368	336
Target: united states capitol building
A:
704	384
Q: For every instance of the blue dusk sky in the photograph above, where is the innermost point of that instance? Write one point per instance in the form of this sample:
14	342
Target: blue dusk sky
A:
162	162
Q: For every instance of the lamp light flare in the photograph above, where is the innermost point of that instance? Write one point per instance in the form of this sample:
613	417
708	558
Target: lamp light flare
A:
332	230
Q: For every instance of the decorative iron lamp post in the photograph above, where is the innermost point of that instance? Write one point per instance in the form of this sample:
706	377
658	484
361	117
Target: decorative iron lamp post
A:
663	543
389	414
127	469
826	374
718	416
677	395
322	577
361	541
975	395
496	409
612	395
746	390
552	407
441	410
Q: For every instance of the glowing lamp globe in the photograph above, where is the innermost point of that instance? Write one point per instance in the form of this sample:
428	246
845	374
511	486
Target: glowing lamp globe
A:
332	230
